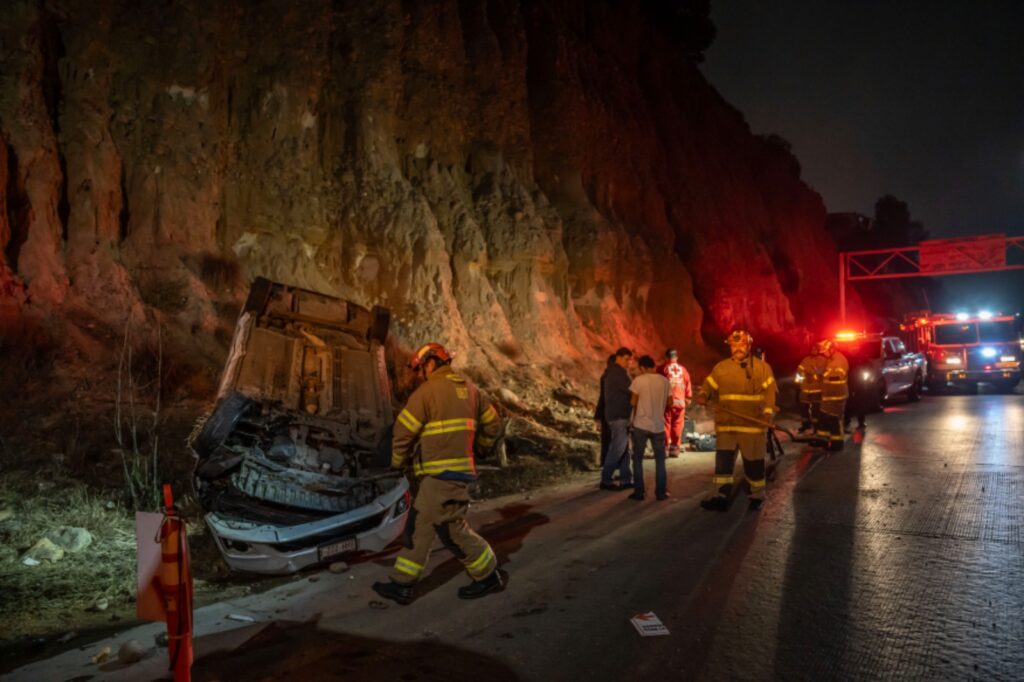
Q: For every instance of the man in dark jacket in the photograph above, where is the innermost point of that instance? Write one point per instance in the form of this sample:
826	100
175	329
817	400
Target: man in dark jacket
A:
599	420
617	412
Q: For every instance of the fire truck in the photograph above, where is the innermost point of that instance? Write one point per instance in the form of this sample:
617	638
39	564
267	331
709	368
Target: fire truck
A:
966	349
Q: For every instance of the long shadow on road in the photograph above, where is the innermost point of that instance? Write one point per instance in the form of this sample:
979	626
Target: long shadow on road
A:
814	614
302	651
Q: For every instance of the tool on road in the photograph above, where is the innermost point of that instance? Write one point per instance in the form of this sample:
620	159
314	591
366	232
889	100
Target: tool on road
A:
813	440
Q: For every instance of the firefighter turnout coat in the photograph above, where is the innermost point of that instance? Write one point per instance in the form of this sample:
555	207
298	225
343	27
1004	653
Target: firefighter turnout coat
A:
444	415
834	388
812	369
746	388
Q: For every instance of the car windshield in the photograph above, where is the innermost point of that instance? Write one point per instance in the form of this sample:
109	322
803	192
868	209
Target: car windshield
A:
956	334
997	332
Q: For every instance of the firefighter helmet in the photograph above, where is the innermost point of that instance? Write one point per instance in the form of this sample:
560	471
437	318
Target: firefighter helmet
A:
739	336
740	339
428	351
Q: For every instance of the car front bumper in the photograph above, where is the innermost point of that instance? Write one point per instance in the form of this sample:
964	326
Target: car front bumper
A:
279	550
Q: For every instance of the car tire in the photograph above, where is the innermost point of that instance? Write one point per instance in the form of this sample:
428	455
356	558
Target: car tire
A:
1006	387
259	294
914	392
219	424
381	322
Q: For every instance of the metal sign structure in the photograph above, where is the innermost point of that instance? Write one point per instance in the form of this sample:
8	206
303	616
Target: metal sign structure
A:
937	257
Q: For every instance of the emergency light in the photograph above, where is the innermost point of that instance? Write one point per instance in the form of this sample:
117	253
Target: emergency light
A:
989	352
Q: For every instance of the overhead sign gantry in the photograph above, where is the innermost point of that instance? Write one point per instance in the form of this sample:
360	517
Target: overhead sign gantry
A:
936	257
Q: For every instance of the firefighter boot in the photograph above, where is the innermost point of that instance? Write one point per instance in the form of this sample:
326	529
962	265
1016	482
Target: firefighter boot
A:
396	592
495	582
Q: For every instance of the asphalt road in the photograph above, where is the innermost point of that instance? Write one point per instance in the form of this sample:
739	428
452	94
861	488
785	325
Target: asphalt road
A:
899	558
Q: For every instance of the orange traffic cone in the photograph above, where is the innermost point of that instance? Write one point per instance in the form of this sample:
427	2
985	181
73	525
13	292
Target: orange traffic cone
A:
176	585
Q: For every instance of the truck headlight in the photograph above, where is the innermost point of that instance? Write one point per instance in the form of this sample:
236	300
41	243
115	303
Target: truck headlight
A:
1008	358
988	352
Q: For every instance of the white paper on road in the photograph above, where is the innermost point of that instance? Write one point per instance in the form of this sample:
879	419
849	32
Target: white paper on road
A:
648	624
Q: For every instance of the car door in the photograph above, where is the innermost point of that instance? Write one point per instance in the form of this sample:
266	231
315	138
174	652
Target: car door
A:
906	367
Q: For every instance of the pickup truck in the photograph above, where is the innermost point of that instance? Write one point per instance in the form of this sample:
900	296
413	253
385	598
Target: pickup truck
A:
882	365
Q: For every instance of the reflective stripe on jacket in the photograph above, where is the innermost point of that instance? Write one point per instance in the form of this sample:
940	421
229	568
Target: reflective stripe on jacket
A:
443	416
747	388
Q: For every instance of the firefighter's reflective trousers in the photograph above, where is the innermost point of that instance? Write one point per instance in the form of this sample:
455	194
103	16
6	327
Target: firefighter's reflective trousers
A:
752	442
830	428
440	508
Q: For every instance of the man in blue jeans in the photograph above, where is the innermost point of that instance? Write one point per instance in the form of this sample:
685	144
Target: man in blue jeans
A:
650	393
617	409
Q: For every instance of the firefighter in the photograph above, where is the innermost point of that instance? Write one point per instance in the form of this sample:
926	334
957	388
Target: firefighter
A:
811	372
681	391
436	433
834	392
745	391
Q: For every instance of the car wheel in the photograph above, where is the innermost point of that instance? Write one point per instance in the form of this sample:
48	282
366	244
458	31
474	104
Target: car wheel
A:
914	392
1006	387
219	424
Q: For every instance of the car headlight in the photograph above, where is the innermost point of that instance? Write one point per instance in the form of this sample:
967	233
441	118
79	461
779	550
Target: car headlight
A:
1008	358
866	375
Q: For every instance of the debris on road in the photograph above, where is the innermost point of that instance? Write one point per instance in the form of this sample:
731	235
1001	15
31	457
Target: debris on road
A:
101	656
240	618
67	637
374	604
648	624
131	651
338	567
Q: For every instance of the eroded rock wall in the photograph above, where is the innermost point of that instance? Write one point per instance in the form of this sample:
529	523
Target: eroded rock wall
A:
529	182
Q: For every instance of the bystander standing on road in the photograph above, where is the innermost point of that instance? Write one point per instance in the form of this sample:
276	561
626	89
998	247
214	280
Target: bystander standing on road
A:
617	410
651	395
599	421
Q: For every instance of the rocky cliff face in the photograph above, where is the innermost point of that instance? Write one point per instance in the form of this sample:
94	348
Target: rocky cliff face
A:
528	182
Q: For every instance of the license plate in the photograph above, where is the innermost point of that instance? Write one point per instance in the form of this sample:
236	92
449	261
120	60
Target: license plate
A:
335	548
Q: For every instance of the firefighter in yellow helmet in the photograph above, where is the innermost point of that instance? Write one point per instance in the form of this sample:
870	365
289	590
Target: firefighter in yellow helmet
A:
834	392
810	375
443	417
744	391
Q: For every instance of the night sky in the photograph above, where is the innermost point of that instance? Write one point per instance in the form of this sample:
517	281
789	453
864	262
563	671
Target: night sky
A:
922	100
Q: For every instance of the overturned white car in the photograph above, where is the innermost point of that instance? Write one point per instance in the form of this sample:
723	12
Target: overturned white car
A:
291	465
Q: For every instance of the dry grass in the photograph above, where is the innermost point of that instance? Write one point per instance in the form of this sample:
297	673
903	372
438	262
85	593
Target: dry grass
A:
33	598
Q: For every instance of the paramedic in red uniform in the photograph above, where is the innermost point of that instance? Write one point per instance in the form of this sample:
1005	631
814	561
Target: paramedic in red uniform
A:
682	391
